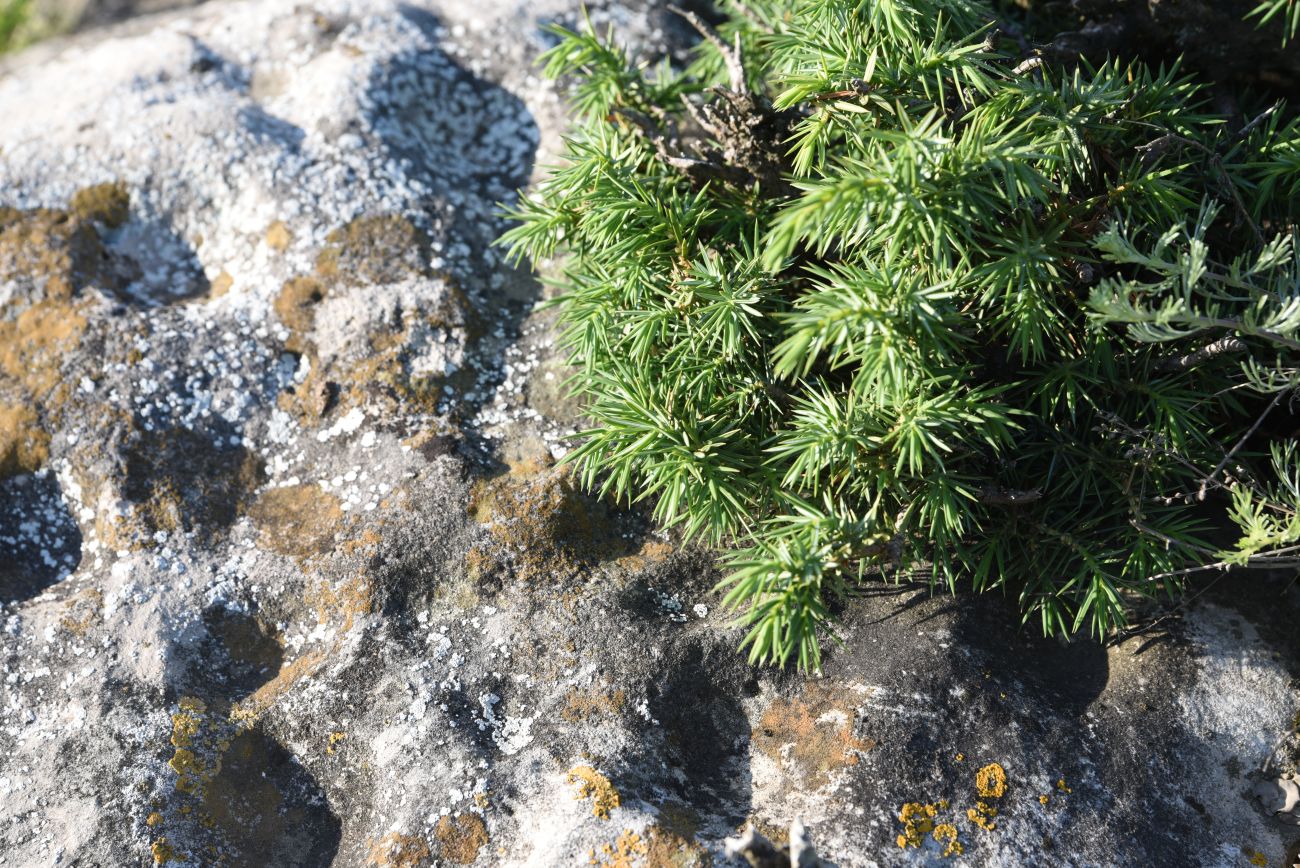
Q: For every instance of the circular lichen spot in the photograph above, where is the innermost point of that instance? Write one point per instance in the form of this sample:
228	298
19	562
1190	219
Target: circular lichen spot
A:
991	781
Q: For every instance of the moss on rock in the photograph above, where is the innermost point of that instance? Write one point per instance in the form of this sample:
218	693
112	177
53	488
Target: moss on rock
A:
24	446
109	204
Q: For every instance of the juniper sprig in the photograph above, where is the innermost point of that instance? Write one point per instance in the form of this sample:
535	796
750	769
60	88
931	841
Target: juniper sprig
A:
864	291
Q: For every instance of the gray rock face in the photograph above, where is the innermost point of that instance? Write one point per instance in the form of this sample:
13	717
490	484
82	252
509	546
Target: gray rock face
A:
288	575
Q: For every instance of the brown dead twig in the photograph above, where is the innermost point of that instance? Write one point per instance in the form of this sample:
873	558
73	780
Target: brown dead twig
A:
747	131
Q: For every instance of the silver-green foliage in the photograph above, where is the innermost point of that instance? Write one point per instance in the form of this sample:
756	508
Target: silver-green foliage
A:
957	337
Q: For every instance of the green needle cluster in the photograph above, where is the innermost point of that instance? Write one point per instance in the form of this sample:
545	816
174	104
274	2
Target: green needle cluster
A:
864	291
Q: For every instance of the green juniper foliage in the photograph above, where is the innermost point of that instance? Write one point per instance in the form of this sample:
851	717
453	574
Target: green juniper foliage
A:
865	291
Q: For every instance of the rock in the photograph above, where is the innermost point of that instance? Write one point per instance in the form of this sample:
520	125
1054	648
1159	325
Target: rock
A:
289	576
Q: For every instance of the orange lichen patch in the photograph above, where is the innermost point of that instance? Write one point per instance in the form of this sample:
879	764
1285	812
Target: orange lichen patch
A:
543	525
812	732
54	253
153	819
620	854
595	786
1044	799
24	445
250	709
369	539
580	705
278	236
346	602
33	345
396	850
109	204
983	815
460	837
297	520
991	781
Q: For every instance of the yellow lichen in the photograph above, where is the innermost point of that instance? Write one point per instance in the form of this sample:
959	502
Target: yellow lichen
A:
461	837
918	821
163	852
991	781
153	819
622	853
185	723
595	786
24	446
946	835
982	815
1061	785
335	738
1255	857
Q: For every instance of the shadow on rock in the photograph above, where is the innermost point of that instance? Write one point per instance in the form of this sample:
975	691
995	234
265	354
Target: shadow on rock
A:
706	734
40	542
1068	676
183	480
268	809
238	793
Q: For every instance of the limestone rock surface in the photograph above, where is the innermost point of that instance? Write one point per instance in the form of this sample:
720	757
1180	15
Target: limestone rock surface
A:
289	577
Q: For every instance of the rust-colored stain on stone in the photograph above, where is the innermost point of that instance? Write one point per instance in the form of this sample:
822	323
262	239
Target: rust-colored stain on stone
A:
580	705
396	850
811	734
